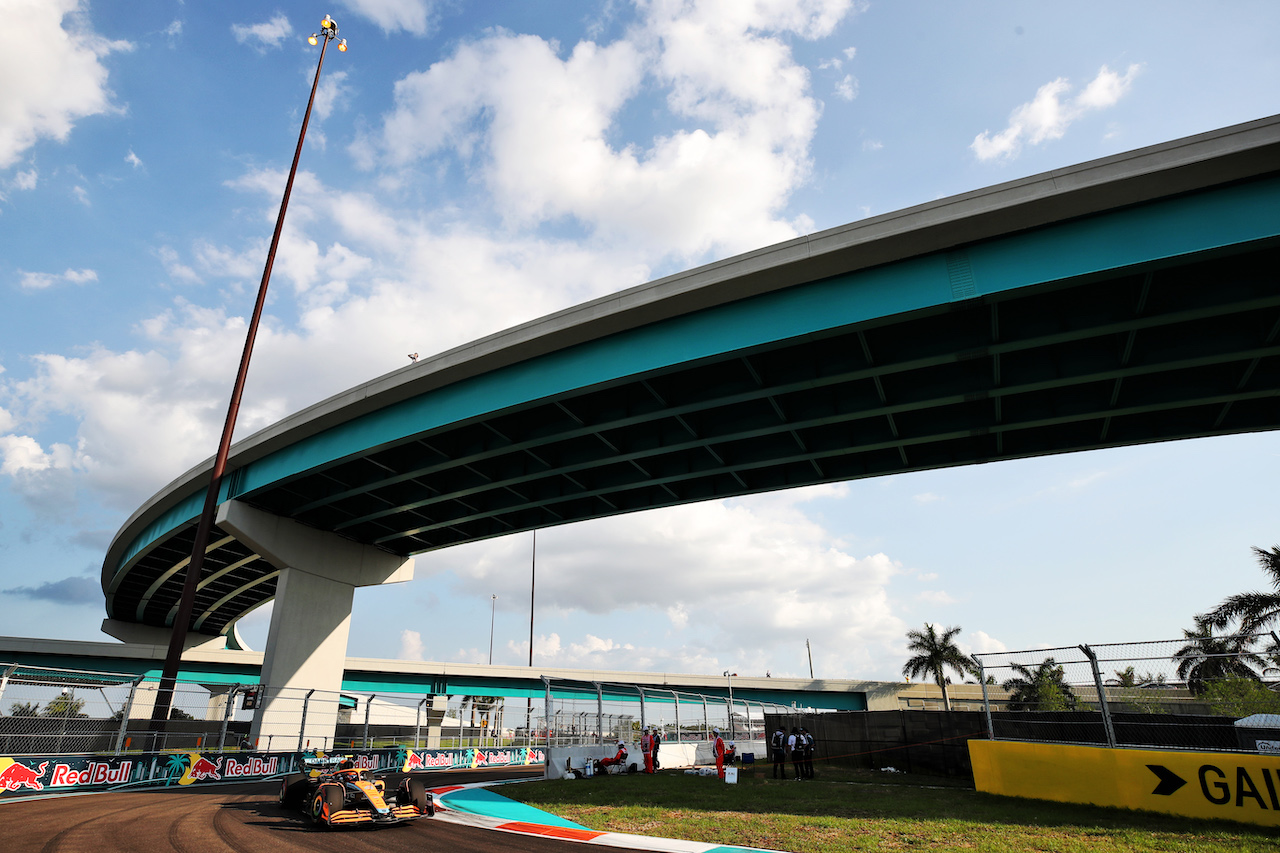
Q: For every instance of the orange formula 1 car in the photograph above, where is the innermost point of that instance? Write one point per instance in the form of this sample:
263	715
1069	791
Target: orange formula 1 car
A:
333	792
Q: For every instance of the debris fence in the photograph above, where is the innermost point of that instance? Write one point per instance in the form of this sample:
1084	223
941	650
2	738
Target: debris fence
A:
1192	693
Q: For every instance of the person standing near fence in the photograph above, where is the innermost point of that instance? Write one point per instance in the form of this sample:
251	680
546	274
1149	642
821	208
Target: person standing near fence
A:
719	750
778	749
646	746
795	746
808	752
657	744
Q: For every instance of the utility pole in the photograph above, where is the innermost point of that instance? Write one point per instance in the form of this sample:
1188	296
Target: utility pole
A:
810	651
181	622
493	609
533	577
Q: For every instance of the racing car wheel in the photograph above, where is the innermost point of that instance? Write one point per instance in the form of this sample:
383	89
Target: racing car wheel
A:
293	790
331	796
415	791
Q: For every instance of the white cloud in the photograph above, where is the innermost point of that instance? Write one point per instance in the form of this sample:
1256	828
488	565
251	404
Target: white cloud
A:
411	646
81	194
174	266
847	88
682	571
980	642
80	276
926	498
174	29
1047	116
22	453
132	159
44	280
25	180
332	91
1106	89
54	78
935	596
41	476
538	129
265	35
413	16
36	280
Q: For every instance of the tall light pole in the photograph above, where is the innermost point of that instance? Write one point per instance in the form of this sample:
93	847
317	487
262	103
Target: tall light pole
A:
493	609
169	675
533	577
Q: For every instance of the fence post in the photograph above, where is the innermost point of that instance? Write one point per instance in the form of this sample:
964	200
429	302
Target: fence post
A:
4	679
124	715
302	725
417	722
1102	696
639	690
546	708
599	712
986	699
706	726
226	716
676	698
368	709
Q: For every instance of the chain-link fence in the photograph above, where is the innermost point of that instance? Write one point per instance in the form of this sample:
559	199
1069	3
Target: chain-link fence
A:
47	710
1199	692
54	711
599	712
61	711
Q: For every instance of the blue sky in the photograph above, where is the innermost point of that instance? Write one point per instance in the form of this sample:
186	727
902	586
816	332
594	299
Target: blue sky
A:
471	166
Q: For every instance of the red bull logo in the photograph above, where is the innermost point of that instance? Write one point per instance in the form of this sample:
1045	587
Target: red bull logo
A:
97	773
201	769
426	761
250	767
205	769
15	775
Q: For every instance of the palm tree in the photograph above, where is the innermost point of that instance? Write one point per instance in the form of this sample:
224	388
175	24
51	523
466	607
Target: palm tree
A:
1206	658
934	654
1042	689
1256	611
177	765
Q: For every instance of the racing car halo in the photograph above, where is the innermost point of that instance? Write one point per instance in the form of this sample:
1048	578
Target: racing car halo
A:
333	792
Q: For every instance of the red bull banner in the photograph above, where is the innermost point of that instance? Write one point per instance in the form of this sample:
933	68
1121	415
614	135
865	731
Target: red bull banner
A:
25	775
455	759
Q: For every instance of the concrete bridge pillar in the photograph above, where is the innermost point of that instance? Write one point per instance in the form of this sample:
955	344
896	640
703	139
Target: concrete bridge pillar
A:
307	641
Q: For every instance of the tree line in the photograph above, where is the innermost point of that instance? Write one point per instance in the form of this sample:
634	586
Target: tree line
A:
1226	655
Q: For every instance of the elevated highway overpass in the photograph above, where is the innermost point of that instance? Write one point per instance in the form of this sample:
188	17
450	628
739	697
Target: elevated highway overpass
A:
1126	300
214	668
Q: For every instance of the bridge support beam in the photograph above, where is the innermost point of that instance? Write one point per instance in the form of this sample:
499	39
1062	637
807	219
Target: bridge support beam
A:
310	622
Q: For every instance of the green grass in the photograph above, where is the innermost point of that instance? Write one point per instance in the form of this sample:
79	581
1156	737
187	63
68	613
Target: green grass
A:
863	810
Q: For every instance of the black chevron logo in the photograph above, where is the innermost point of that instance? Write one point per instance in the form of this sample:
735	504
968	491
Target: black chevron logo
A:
1169	781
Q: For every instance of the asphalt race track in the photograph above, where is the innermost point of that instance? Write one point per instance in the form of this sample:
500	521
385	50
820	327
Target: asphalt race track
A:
244	818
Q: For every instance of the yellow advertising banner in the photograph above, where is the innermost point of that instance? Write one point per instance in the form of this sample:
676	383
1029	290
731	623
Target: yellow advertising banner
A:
1234	786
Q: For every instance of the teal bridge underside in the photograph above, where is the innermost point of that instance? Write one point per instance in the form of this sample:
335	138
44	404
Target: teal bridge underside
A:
1146	309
